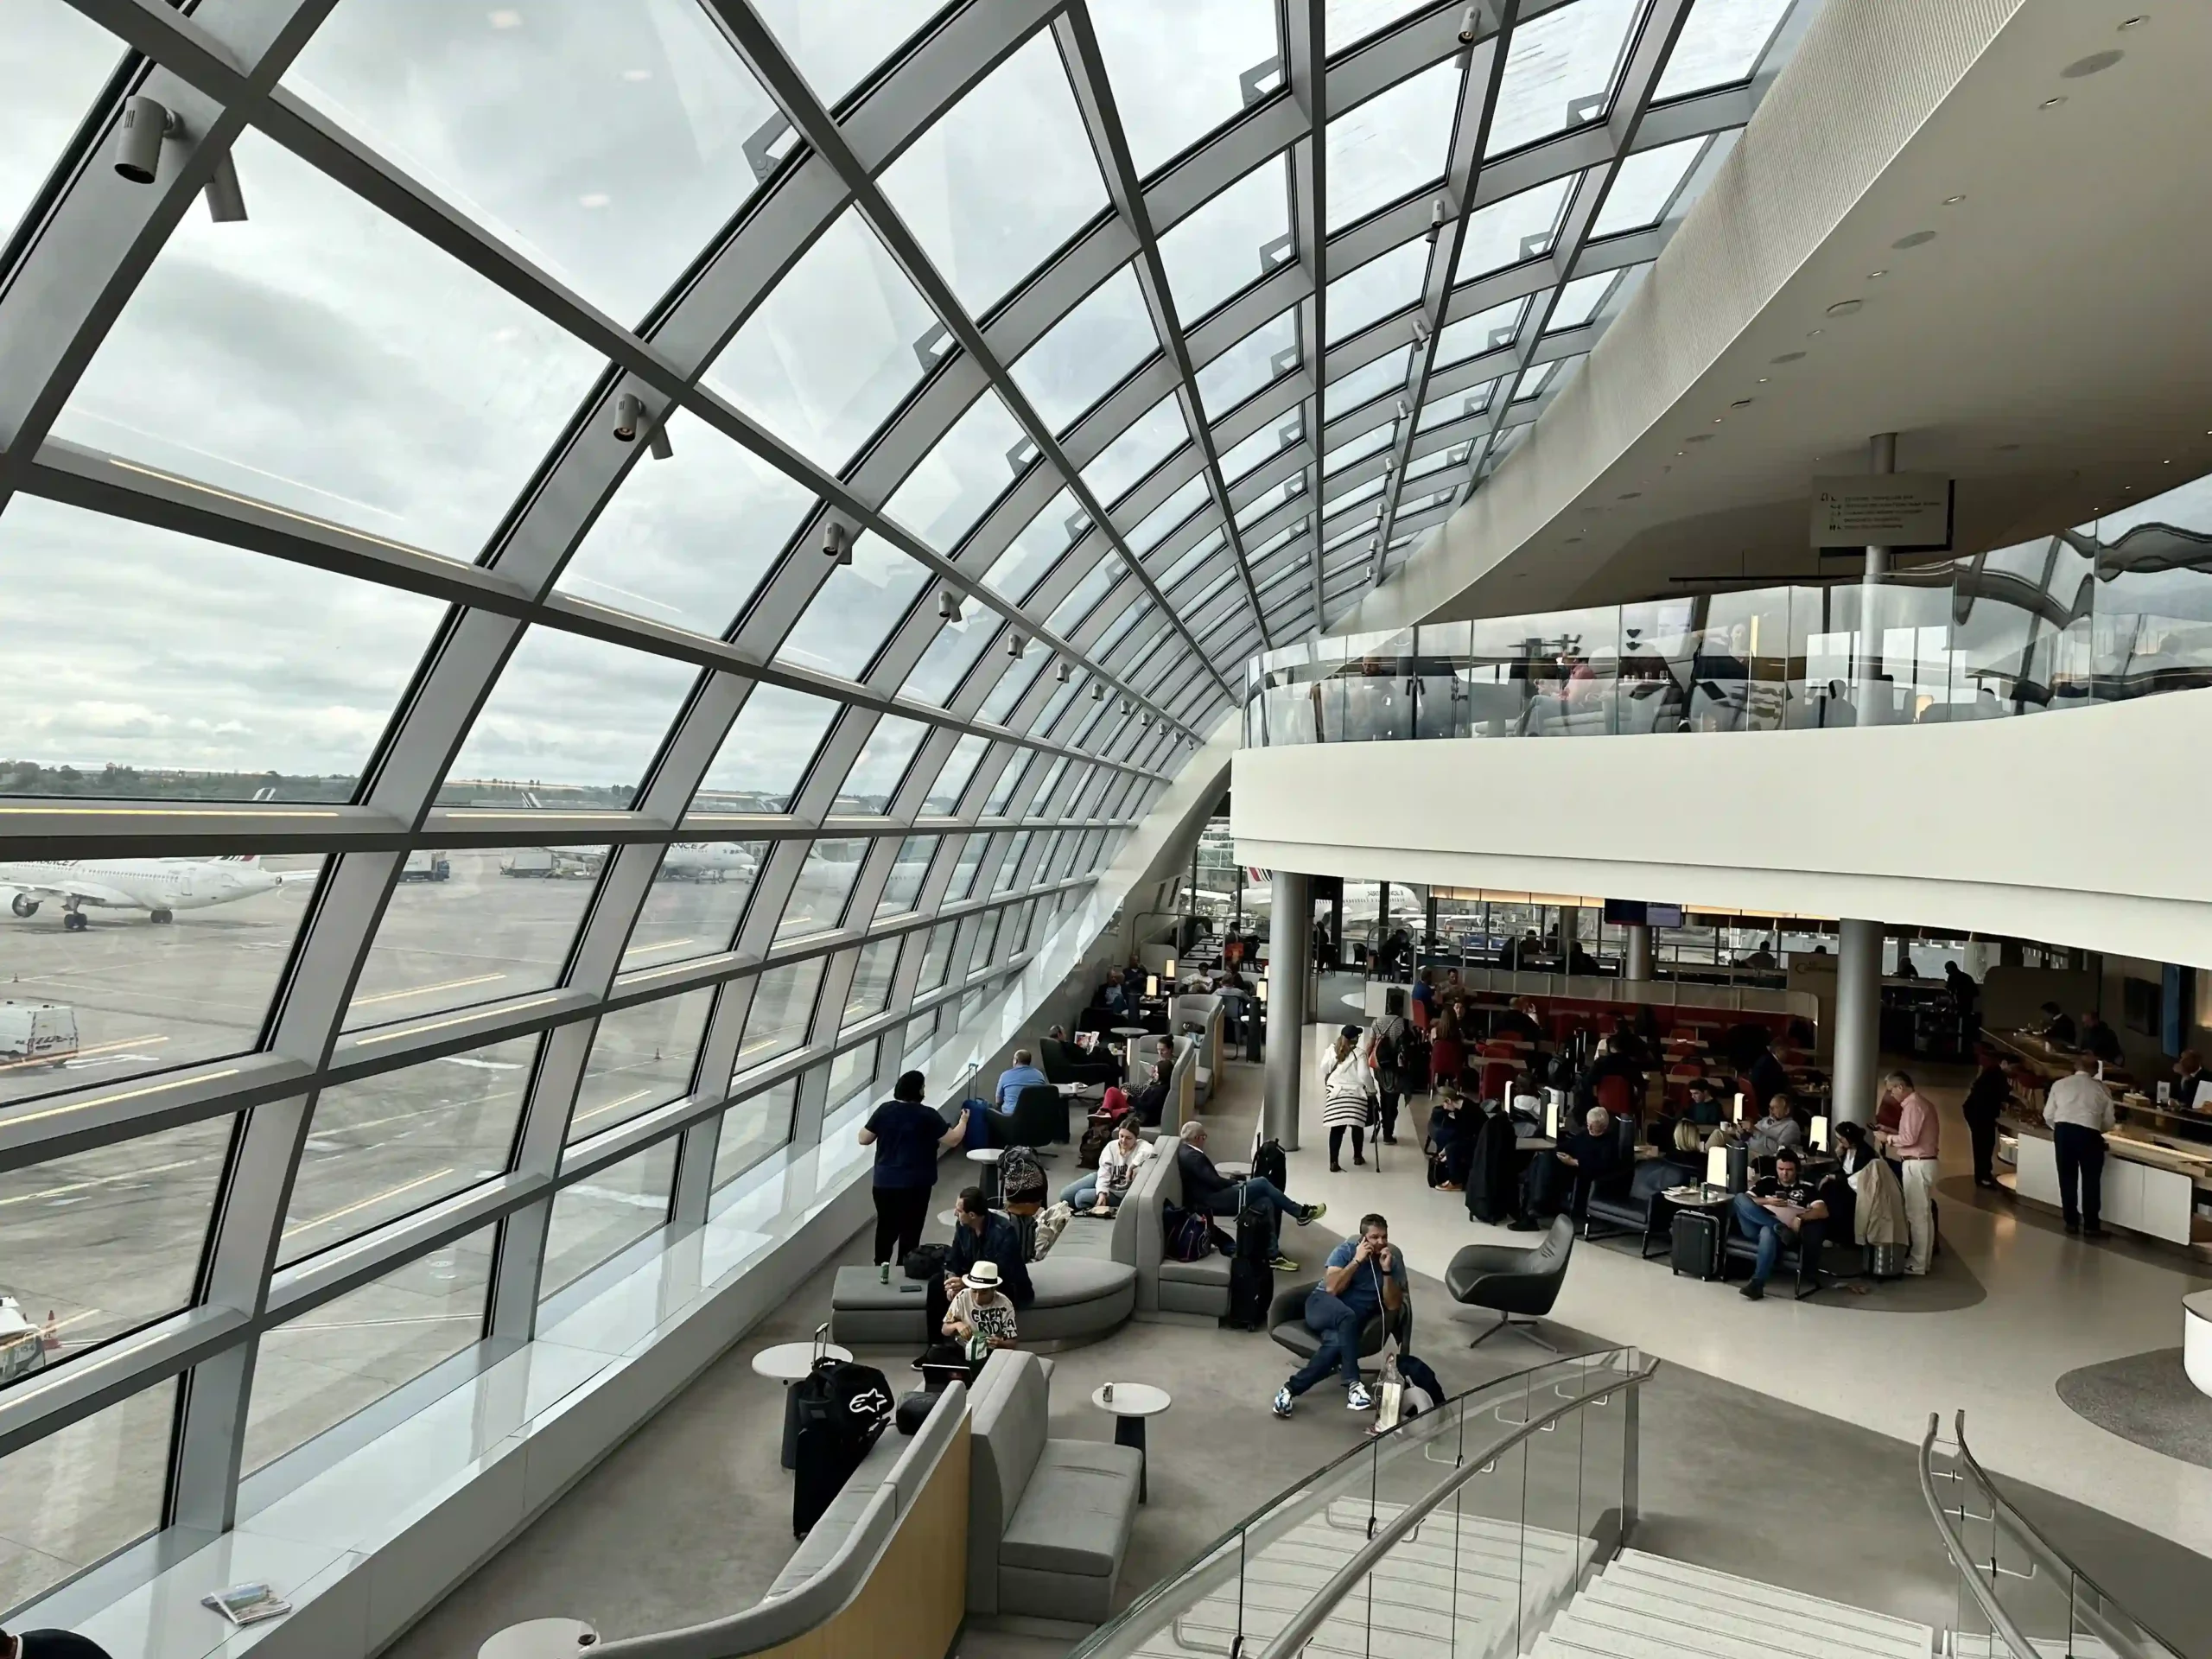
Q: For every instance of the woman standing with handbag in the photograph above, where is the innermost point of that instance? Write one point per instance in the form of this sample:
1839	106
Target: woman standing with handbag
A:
1347	1092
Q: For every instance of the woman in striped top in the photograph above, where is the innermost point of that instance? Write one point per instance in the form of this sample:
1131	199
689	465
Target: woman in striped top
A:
1346	1087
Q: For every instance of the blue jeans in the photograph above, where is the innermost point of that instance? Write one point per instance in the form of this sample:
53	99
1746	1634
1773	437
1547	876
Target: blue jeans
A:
1338	1326
1763	1228
1258	1193
1082	1192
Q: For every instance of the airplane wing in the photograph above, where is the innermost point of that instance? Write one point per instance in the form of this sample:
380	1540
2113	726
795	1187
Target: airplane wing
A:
85	893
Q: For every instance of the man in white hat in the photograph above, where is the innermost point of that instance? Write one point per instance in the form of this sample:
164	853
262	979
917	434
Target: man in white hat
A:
982	1315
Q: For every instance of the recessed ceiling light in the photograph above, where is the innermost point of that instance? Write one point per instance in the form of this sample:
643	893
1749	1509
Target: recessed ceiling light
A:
1574	539
1630	495
2131	22
1791	357
1763	379
1953	202
1717	420
1876	276
2052	103
2095	64
1741	402
1815	334
1845	308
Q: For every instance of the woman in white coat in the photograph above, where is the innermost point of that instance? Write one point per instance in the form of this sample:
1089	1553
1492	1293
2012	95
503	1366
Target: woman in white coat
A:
1347	1092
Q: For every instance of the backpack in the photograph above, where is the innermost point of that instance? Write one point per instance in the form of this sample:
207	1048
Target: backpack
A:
1439	1169
1021	1178
1420	1381
1190	1235
1386	1059
1050	1225
1270	1163
925	1261
1096	1139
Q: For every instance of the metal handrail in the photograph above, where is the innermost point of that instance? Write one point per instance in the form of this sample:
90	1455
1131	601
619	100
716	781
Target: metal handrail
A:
2122	1642
1308	1619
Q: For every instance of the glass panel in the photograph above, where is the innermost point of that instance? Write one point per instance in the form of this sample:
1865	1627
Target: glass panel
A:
872	976
752	1129
123	997
686	541
363	376
904	886
962	885
957	481
1370	443
92	711
1349	391
937	959
1720	45
597	1218
953	650
825	882
1263	445
1177	70
883	761
1013	686
1068	613
1377	289
697	900
1088	351
832	350
1231	243
640	116
1149	440
1018	570
1508	232
388	1145
84	1492
1010	864
1645	184
952	778
573	712
1394	143
1580	300
1343	21
1265	354
335	1361
853	614
834	43
852	1073
996	185
53	64
1180	506
102	1241
764	755
641	1058
1487	330
783	1005
1560	71
498	925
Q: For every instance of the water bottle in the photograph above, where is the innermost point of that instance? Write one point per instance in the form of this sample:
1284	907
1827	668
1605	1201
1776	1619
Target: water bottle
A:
883	1273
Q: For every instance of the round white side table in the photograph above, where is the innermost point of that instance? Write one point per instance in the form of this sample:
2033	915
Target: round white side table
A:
786	1363
1131	1404
2197	1339
541	1639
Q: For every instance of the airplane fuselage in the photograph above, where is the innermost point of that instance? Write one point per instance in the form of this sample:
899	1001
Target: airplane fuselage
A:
148	883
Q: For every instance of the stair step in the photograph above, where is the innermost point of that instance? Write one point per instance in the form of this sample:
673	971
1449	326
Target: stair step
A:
1800	1630
1726	1589
1605	1624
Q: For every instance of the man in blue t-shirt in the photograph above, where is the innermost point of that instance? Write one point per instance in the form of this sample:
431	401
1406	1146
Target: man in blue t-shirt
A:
1363	1277
1021	1075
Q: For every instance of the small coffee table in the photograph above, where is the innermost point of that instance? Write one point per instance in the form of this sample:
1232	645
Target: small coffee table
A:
1131	1404
787	1361
541	1639
1128	1034
987	1174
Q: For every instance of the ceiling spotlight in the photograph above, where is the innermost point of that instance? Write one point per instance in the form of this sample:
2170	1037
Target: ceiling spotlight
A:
138	138
226	201
1066	673
1472	14
1420	326
629	415
1098	691
837	542
657	444
1436	221
1014	645
1127	707
948	605
1401	409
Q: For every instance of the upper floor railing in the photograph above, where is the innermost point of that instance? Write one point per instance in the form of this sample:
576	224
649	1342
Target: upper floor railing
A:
2118	607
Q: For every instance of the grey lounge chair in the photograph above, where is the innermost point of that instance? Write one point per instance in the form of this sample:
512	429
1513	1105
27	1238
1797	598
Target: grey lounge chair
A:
1512	1282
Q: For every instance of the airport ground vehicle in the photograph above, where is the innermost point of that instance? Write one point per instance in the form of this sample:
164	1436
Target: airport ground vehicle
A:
426	867
36	1033
22	1349
537	862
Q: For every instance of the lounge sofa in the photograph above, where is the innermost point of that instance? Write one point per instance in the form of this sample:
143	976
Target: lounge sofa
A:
1202	1020
1048	1519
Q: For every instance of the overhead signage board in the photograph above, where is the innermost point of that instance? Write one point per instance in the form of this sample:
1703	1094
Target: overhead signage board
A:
1908	512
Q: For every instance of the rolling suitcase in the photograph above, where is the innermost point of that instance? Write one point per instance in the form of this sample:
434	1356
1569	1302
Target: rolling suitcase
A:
1697	1243
842	1408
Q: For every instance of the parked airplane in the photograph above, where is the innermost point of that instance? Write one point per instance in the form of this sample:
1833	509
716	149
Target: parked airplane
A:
160	887
706	860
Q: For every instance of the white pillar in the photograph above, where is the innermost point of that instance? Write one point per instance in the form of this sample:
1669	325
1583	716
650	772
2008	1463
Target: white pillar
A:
1856	1079
1872	693
1290	951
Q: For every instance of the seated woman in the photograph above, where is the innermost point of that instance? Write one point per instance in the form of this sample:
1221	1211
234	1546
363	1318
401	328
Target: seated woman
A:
981	1318
1101	1192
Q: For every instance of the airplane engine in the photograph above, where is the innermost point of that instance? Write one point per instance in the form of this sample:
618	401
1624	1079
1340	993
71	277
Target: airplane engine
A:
22	904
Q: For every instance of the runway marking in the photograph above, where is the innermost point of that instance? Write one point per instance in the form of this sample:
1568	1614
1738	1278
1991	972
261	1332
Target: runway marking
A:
425	990
595	1111
645	949
440	1025
364	1203
370	1325
11	1120
101	1180
79	1054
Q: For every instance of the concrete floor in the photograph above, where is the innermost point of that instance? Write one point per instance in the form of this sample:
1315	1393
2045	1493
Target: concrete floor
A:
688	1520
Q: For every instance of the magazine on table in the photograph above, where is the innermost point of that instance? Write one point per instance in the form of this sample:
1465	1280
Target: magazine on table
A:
247	1604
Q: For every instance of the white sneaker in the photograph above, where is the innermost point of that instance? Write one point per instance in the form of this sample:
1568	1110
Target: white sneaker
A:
1283	1401
1356	1398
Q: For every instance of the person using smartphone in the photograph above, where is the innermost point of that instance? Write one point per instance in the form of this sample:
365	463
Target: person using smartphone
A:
1365	1276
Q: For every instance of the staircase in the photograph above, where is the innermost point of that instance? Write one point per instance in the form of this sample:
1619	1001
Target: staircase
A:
1643	1606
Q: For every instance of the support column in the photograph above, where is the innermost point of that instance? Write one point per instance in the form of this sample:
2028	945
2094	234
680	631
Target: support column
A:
1857	1073
1872	693
1639	951
1289	967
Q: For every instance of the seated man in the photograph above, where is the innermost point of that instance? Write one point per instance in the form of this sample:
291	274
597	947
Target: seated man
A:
1705	1103
1210	1192
981	1318
1560	1179
1101	1191
1361	1279
1021	1075
980	1234
1771	1213
1519	1021
1451	1125
1066	1061
2055	1025
1778	1131
1151	1098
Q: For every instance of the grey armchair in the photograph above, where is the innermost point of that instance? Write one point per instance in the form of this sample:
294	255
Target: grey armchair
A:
1286	1324
1513	1282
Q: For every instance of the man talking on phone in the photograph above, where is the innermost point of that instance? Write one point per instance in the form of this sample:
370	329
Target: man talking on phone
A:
1364	1277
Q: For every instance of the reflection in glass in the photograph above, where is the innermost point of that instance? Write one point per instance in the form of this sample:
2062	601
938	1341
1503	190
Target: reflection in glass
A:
1561	71
1229	244
832	349
1147	440
783	1005
300	714
640	116
1265	354
1377	289
130	997
904	888
958	481
387	1146
334	1361
883	761
1392	144
1176	69
1720	45
764	755
1002	179
641	1058
1088	351
752	1129
853	614
685	541
574	714
498	925
825	882
871	976
697	899
952	778
102	1241
595	1218
83	1492
363	376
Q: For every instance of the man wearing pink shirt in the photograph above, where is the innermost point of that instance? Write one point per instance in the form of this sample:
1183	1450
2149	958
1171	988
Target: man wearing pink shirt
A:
1913	1143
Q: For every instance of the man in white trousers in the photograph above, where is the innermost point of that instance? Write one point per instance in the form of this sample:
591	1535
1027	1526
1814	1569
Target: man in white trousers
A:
1913	1143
